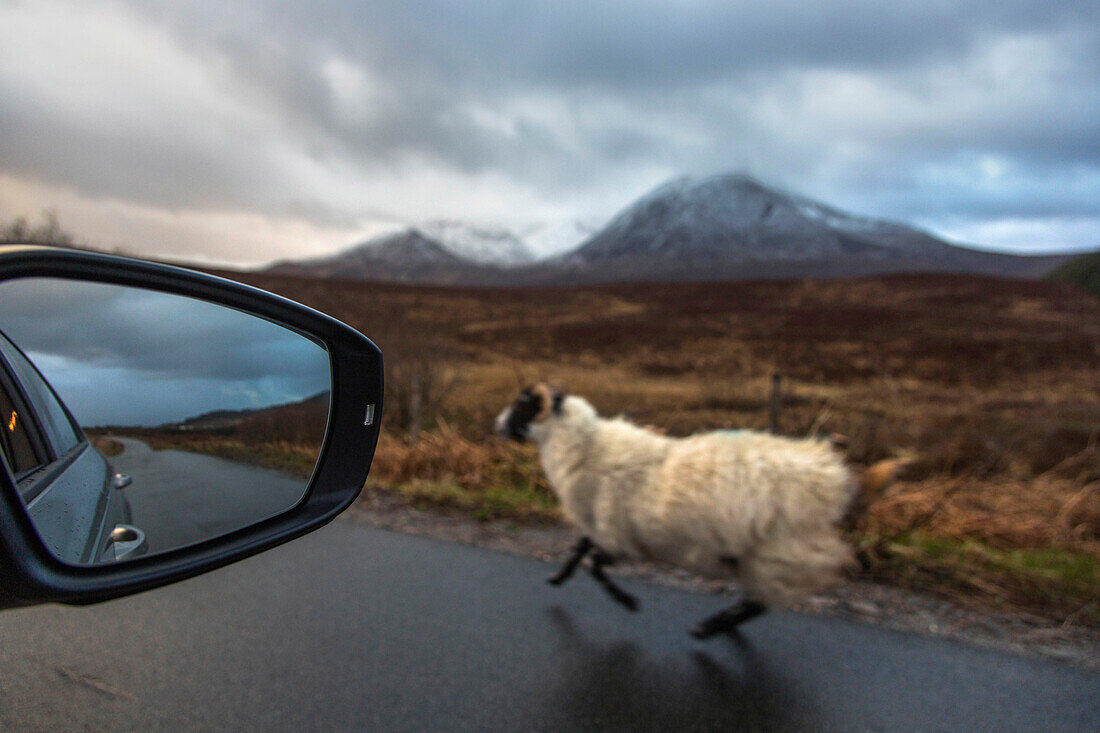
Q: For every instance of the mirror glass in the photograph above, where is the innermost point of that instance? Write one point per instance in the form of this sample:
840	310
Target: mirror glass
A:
136	422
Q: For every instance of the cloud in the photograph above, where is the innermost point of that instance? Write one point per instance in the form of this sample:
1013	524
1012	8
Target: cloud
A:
332	116
214	236
1022	235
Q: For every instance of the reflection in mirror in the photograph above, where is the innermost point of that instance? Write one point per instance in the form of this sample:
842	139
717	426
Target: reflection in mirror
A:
136	422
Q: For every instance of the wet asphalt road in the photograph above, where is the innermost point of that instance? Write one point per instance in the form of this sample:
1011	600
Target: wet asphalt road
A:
353	628
179	498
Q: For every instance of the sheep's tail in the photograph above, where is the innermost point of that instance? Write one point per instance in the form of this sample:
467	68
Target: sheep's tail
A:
870	486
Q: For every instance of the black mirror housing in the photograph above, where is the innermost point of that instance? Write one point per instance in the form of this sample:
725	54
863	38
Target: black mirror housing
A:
30	574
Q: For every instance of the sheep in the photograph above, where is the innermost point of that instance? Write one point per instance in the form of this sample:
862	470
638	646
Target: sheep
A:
724	504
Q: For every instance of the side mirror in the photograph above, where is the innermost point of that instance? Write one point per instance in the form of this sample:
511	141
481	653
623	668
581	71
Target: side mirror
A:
159	423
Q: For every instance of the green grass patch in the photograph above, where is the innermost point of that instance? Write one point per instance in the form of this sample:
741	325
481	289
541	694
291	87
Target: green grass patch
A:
1082	271
1050	582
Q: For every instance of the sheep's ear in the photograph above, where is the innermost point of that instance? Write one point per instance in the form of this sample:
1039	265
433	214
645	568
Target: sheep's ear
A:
557	392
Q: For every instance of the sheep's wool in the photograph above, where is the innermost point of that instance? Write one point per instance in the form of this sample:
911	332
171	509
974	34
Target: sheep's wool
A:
726	503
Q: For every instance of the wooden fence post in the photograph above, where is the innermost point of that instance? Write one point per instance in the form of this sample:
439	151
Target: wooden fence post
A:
774	403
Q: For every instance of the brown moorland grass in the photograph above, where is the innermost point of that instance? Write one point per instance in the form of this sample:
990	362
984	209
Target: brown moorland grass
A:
992	385
490	478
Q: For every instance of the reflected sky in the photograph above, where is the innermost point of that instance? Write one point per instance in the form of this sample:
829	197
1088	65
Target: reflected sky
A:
126	356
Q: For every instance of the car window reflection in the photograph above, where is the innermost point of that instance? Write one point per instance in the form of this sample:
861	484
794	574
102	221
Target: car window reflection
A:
55	422
15	442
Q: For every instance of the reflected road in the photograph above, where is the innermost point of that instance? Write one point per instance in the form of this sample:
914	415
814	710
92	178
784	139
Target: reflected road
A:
179	498
352	628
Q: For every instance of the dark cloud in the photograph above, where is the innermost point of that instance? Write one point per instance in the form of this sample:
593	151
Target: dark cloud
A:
653	44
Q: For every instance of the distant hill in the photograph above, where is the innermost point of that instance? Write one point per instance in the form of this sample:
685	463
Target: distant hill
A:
405	256
222	419
733	217
1082	271
720	228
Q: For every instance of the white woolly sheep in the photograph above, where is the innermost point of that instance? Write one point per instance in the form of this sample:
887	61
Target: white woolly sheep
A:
744	504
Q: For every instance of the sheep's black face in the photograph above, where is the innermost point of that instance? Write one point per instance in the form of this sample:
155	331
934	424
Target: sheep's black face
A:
516	419
533	405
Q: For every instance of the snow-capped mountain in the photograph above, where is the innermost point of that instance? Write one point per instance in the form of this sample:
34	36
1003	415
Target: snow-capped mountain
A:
735	218
410	246
484	245
551	238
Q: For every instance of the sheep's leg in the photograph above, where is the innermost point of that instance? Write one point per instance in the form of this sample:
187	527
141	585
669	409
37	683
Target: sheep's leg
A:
727	620
583	546
599	559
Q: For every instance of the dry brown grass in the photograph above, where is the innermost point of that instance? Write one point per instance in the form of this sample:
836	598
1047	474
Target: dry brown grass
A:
1047	513
493	478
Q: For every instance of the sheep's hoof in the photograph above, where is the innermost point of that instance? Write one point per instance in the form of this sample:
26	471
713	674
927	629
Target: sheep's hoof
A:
707	629
556	579
630	603
728	620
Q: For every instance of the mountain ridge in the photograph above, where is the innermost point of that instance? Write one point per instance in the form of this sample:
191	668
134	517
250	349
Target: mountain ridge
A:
729	226
733	216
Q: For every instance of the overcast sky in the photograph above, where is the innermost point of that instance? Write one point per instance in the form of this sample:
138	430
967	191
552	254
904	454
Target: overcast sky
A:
242	132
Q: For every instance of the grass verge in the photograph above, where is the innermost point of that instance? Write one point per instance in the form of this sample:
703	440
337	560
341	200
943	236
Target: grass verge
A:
287	458
107	446
1051	582
490	479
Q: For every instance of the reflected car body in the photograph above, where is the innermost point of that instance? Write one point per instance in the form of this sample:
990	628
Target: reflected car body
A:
71	492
